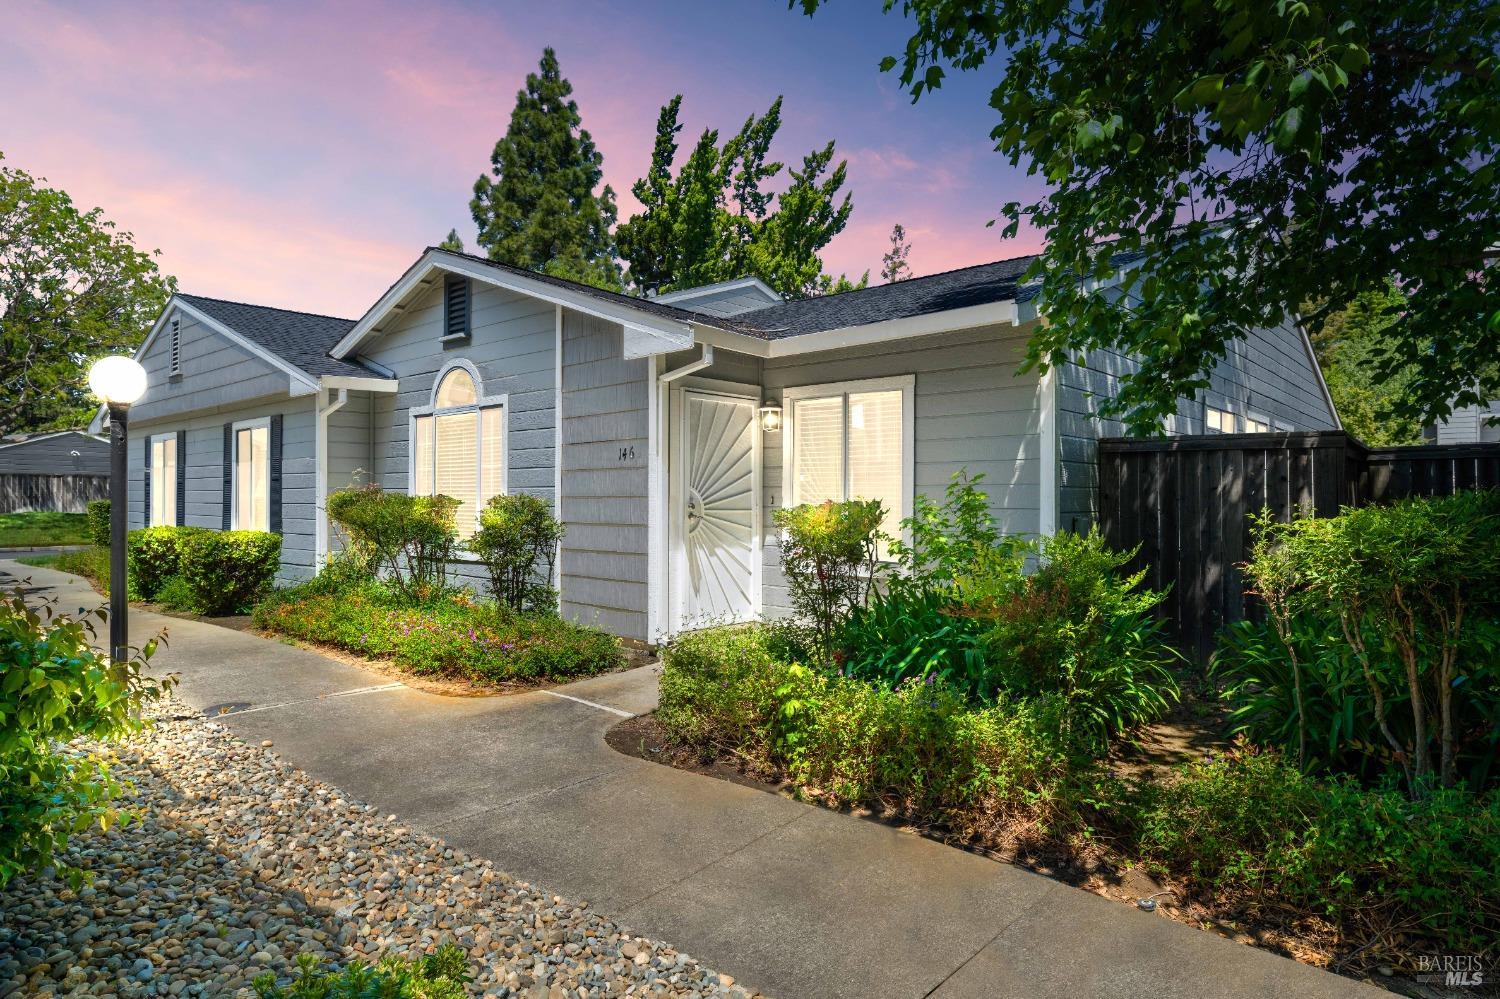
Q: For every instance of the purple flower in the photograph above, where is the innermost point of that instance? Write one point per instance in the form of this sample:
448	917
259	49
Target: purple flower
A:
471	634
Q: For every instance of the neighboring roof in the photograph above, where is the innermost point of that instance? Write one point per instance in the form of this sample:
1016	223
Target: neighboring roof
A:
983	284
302	339
722	297
15	439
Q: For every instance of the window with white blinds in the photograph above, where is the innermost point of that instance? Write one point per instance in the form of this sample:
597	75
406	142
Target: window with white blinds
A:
852	442
164	480
458	448
252	478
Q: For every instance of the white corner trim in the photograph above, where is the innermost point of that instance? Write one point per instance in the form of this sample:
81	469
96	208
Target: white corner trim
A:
435	260
1047	478
657	592
320	512
557	446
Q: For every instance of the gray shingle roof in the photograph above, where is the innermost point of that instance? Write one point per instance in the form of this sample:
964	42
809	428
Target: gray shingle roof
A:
302	339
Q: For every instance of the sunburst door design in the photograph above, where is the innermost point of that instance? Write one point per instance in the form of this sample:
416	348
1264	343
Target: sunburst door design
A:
717	519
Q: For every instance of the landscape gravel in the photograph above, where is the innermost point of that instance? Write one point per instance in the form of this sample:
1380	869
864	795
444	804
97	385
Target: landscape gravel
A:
239	862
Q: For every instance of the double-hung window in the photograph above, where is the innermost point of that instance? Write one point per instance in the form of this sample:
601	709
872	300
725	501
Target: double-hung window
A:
252	476
851	440
164	480
458	446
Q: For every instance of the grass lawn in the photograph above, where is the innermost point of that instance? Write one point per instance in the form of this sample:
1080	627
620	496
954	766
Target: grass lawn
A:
91	563
37	528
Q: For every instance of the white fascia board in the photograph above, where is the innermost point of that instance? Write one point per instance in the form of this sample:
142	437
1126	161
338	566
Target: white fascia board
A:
969	317
666	330
359	383
641	341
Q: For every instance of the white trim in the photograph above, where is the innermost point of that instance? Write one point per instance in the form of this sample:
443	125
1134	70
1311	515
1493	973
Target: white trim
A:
657	592
1312	359
990	314
359	384
906	384
677	594
734	284
670	332
325	409
557	447
234	470
151	443
481	402
705	359
1048	483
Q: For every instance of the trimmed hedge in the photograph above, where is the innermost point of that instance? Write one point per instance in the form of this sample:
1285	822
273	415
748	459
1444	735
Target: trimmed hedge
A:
155	555
228	571
98	514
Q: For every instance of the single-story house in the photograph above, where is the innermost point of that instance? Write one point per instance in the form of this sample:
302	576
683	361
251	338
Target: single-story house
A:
664	431
56	452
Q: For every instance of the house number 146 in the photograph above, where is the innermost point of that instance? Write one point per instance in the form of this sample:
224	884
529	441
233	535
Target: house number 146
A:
627	453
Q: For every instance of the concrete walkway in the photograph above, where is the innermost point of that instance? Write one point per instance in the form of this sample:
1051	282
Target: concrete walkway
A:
789	898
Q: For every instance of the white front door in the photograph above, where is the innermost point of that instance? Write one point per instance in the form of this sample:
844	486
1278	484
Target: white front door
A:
716	510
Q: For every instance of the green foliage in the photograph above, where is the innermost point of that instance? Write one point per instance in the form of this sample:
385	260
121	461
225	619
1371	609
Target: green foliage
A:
90	563
43	527
829	556
1349	347
1250	825
517	542
55	688
175	594
99	527
542	212
894	266
449	634
155	555
922	751
713	221
226	572
452	242
1382	631
411	539
439	975
1318	146
72	288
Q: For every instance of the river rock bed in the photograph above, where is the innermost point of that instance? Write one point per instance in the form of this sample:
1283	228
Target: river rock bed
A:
240	862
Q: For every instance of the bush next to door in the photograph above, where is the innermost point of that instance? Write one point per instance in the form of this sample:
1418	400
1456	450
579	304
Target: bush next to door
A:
449	635
227	571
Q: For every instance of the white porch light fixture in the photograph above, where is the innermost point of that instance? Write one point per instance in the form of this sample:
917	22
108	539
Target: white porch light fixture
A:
770	418
117	381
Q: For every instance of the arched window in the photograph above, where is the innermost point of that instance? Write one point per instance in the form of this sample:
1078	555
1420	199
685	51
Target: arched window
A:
458	444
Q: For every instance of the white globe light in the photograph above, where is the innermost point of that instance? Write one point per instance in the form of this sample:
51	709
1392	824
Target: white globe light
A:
117	380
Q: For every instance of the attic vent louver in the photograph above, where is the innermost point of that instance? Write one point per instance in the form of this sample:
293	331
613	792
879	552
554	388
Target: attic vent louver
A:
176	369
455	309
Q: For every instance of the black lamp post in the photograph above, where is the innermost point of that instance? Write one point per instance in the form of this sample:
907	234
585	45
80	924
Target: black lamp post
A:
118	381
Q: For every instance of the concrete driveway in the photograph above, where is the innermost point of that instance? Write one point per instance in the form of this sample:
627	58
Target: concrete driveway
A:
789	898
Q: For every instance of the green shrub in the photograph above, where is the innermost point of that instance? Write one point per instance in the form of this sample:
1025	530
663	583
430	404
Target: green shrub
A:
517	542
1251	826
411	539
99	529
55	688
346	569
1412	590
175	594
91	563
226	572
449	635
439	975
829	555
921	750
155	555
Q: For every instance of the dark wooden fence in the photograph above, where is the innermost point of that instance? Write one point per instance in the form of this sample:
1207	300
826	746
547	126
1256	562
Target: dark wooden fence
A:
1187	502
58	493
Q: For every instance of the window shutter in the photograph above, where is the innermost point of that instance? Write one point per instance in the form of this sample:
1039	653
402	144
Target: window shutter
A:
455	307
273	513
146	492
228	473
181	477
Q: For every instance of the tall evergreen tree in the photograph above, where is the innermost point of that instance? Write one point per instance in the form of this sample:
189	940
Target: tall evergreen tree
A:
713	219
452	241
894	266
541	211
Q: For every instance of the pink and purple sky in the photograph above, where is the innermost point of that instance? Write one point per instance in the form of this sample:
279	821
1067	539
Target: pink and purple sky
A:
302	154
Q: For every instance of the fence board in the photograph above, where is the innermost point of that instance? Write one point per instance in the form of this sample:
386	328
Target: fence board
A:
56	493
1187	500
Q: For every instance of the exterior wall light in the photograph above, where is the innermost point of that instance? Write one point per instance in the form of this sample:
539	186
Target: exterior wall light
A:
770	418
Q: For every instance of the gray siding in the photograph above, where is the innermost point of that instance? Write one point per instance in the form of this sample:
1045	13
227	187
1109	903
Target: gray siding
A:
215	372
1268	374
605	417
1463	426
204	473
55	455
350	455
972	411
513	345
726	302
